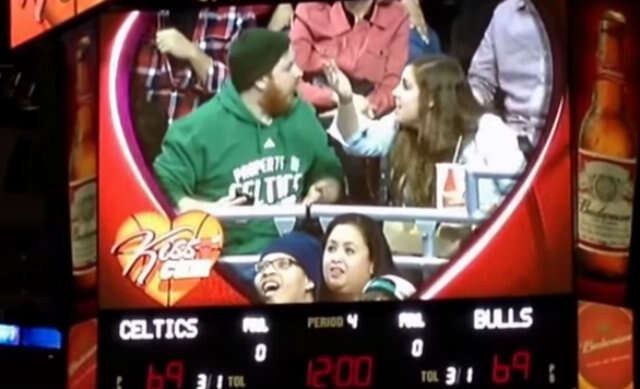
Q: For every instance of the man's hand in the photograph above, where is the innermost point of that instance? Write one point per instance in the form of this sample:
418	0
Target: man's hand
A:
326	190
173	42
188	204
230	201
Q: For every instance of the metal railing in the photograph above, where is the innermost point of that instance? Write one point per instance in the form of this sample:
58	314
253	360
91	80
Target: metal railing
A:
425	219
402	260
284	216
424	266
472	178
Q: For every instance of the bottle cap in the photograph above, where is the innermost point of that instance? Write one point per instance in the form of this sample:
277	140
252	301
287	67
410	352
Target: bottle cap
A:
612	21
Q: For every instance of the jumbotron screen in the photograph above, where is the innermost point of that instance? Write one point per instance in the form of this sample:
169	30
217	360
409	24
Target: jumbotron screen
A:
273	177
333	152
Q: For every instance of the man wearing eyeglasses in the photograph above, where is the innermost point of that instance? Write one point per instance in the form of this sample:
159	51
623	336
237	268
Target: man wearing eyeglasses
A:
289	270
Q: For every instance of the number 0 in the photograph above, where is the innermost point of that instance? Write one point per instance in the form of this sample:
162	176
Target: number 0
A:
417	347
261	352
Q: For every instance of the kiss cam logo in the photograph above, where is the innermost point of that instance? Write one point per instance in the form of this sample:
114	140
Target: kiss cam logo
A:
168	258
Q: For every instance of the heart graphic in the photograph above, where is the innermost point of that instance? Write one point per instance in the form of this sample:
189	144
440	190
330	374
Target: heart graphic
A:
168	258
532	225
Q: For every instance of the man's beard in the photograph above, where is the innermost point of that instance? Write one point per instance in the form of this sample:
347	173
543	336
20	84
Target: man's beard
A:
274	101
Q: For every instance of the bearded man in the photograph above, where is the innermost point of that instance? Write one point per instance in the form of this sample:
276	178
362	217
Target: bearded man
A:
255	143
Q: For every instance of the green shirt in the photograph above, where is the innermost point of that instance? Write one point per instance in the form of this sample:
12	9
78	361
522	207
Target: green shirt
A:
221	147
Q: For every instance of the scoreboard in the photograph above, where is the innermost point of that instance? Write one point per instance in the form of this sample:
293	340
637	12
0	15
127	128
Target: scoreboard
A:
497	343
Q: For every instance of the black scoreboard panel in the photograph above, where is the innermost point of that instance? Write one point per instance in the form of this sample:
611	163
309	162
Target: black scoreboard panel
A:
499	343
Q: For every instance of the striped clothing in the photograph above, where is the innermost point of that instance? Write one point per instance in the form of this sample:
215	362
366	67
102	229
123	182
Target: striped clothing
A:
172	82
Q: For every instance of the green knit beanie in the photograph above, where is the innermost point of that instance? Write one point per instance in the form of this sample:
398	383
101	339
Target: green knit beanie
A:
253	54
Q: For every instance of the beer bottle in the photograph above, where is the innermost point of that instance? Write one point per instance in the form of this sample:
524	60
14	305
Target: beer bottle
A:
606	164
82	173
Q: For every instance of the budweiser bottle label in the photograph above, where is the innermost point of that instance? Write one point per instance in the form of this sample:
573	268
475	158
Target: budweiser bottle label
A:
605	202
83	223
605	347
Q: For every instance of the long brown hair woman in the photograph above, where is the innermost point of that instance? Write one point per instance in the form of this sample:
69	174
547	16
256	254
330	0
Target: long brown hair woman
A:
436	114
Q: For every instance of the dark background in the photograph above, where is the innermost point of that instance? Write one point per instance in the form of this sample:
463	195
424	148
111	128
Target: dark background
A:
34	231
35	266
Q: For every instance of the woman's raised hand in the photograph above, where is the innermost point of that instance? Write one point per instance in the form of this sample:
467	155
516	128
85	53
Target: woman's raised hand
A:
338	82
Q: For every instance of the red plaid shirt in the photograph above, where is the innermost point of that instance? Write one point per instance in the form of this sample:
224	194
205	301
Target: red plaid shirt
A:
174	83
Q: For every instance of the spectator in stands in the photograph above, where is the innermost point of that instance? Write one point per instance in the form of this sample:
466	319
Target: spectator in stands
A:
355	251
422	39
436	119
289	270
468	28
513	60
180	64
255	143
367	39
388	288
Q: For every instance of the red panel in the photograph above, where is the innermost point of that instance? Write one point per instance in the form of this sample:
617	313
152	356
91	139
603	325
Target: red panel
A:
31	18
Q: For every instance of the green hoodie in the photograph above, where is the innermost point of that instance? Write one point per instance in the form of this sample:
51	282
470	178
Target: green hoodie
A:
221	147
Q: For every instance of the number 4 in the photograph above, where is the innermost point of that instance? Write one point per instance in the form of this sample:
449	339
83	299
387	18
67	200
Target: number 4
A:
352	319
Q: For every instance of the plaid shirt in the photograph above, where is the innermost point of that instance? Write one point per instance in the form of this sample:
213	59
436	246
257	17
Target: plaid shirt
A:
174	83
